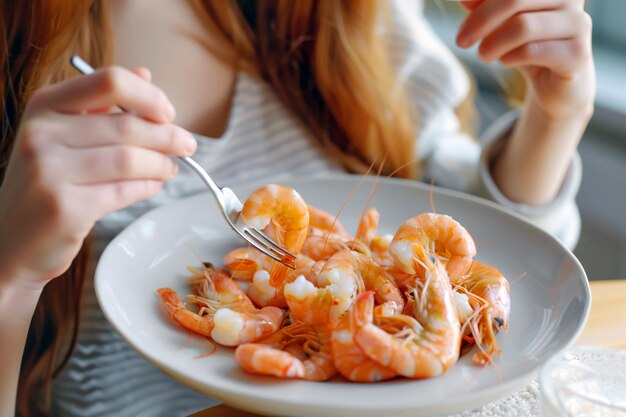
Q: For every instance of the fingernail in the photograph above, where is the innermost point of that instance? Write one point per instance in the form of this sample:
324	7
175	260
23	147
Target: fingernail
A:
190	144
171	111
174	169
463	40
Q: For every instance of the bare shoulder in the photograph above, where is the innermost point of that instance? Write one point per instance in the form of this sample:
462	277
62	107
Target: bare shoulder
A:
170	39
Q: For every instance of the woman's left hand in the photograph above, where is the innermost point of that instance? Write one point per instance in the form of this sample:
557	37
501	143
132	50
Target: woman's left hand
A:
549	41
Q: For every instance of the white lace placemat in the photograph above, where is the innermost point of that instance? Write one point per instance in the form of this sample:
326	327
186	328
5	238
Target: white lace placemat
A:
523	403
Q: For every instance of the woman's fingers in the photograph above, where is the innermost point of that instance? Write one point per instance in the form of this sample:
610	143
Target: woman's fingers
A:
470	4
491	14
117	163
524	28
144	73
105	198
552	34
563	57
107	88
124	128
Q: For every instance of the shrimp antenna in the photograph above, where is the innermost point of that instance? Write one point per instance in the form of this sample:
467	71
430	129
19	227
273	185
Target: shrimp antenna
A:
430	196
401	167
374	186
518	278
209	352
195	255
240	264
347	200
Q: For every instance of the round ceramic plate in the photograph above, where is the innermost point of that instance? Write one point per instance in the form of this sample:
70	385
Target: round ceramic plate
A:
549	305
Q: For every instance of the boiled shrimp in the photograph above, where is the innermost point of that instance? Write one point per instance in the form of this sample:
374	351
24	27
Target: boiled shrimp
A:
233	327
321	248
380	253
326	299
374	278
368	226
226	314
200	324
349	359
282	206
299	351
379	247
488	294
289	215
243	263
264	291
345	275
326	235
313	305
325	224
431	234
250	265
421	346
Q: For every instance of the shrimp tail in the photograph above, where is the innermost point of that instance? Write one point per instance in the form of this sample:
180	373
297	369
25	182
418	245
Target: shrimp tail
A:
263	359
175	308
233	328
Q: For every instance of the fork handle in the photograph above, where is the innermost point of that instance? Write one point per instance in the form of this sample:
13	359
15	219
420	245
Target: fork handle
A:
217	191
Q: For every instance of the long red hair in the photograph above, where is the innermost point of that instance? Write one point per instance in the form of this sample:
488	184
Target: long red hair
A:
324	58
35	46
327	61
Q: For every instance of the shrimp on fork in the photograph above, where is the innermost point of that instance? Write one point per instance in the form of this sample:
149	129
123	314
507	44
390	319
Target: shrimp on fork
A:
286	211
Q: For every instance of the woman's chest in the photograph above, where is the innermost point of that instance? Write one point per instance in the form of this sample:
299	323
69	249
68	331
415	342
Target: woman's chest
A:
173	42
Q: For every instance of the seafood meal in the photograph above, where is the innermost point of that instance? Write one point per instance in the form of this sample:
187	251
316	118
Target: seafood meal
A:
369	307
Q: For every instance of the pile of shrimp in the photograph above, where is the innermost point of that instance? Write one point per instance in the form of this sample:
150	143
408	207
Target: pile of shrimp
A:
370	307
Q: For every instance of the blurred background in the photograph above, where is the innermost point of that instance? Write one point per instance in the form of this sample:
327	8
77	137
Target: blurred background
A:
602	197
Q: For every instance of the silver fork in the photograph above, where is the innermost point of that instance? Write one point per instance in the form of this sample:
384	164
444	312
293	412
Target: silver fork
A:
227	202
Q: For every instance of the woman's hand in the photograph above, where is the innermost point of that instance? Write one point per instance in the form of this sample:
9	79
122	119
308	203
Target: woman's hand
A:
549	41
73	162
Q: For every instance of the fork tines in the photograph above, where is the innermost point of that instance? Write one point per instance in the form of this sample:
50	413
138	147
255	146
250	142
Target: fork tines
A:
269	247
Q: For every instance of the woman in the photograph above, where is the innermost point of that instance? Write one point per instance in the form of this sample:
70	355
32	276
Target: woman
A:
302	87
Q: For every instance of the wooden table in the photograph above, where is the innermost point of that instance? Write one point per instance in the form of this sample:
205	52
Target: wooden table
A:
606	327
607	322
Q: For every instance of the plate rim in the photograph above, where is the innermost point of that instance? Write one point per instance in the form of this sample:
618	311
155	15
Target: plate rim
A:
458	403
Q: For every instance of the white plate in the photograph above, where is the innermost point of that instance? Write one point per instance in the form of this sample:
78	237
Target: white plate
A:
549	305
